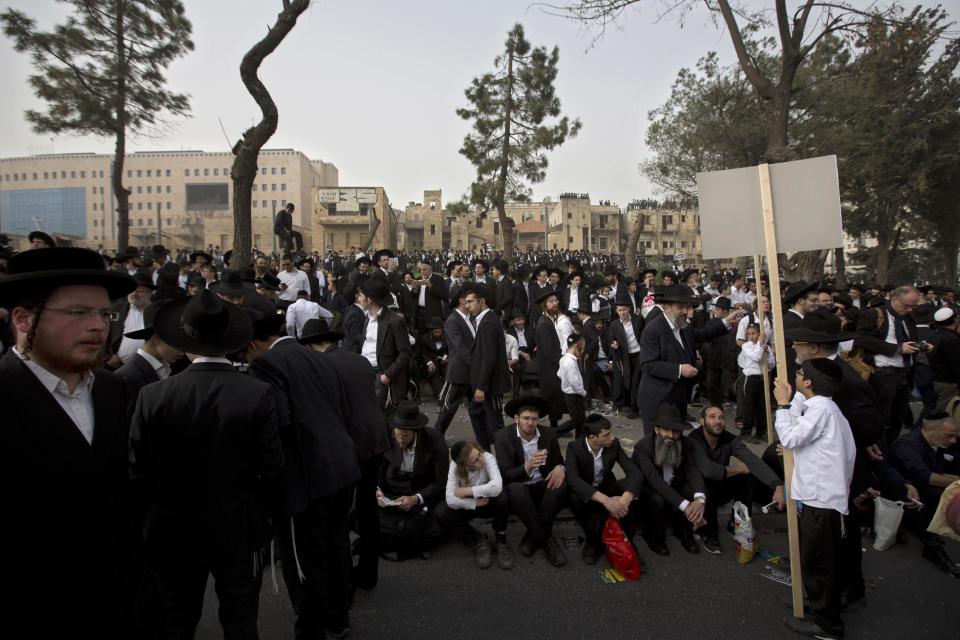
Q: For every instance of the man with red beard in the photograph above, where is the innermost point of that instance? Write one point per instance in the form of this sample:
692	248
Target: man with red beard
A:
64	463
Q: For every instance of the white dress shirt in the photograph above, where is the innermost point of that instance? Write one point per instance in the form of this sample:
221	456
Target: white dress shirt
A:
896	360
521	338
633	345
295	281
300	311
823	452
466	318
767	327
513	349
569	373
530	447
77	405
128	346
369	349
597	463
563	327
574	299
161	368
750	356
486	482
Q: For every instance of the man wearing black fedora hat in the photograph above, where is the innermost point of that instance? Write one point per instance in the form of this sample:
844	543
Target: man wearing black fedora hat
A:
553	329
534	475
799	299
668	354
460	334
434	355
413	479
673	491
64	472
385	345
489	375
368	428
322	468
206	444
384	259
40	240
624	334
151	362
129	319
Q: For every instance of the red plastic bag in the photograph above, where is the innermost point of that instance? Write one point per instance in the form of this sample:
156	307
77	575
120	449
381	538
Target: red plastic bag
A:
620	552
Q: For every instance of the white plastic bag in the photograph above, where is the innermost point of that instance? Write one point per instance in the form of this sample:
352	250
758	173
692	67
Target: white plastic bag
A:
743	533
886	521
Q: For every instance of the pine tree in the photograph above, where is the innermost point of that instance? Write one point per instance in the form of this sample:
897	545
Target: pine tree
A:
101	73
516	118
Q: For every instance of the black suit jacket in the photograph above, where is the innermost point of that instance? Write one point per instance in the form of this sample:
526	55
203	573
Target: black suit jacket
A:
353	323
428	348
136	374
365	421
618	333
583	298
320	455
688	474
204	442
504	298
528	334
66	506
521	296
433	300
488	360
509	452
430	465
460	343
790	321
872	327
661	356
945	358
393	351
580	473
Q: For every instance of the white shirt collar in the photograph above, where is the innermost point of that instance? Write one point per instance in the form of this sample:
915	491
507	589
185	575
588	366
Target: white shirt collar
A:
162	368
533	439
597	455
280	339
50	380
211	360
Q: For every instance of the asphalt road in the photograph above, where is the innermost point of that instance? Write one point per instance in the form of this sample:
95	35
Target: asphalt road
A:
700	596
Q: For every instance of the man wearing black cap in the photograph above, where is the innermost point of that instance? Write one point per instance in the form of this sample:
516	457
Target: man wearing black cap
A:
368	428
318	479
499	272
206	445
534	476
130	318
824	452
64	469
799	299
40	240
430	293
150	363
945	358
575	297
479	268
553	329
624	334
385	343
668	354
594	491
383	259
489	375
673	489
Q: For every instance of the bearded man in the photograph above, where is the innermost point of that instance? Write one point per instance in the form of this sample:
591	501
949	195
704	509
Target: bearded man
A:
673	488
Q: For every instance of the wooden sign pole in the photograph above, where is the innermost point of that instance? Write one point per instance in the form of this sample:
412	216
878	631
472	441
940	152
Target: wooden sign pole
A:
768	416
773	269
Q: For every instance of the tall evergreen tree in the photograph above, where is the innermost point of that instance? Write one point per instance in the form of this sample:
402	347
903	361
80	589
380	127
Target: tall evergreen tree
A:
516	118
102	72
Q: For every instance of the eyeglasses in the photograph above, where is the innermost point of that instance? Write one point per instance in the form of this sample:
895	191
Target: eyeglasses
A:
80	314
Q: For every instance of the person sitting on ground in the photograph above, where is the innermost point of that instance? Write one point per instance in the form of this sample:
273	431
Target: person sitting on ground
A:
534	475
475	490
594	491
713	448
412	478
673	489
929	459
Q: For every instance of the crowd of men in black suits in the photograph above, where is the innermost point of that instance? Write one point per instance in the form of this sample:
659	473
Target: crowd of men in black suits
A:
217	433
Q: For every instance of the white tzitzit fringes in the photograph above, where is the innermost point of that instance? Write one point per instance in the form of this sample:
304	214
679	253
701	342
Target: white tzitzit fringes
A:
296	558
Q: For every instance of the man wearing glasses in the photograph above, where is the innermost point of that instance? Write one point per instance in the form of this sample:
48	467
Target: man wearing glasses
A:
887	334
64	463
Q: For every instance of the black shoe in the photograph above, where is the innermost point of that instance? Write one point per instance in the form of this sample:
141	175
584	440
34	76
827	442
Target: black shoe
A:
392	556
711	544
526	547
689	544
425	555
788	603
504	556
807	627
659	548
554	553
342	632
852	602
938	556
484	554
589	553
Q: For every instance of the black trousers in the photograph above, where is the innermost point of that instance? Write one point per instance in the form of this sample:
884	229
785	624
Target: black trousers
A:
367	524
720	493
820	540
457	521
625	390
591	515
892	385
316	544
536	506
435	379
576	407
486	418
181	582
453	394
656	512
754	407
549	385
715	391
599	382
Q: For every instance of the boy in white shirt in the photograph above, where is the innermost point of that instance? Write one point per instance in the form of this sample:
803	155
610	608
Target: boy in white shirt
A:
571	384
812	426
754	352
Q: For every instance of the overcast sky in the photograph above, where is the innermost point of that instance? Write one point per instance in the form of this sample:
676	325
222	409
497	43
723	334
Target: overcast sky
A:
373	86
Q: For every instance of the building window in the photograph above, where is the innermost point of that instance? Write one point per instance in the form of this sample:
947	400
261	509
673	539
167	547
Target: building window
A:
168	173
273	170
569	215
139	173
139	205
149	173
101	174
196	172
206	172
283	171
169	222
94	223
186	172
139	189
254	204
273	187
263	171
149	189
664	244
73	175
283	186
129	173
479	223
63	175
569	238
169	205
433	229
264	204
46	175
140	222
216	171
150	206
168	188
254	187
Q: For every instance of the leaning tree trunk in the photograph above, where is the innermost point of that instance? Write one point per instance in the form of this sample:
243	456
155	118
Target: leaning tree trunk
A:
506	231
121	193
805	265
887	241
630	253
247	149
373	223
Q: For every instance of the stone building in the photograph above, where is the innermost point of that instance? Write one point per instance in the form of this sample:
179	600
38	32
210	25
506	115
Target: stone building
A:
178	198
669	232
341	218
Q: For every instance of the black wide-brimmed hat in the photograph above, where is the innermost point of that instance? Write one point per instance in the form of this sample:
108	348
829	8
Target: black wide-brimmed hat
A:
434	323
797	289
819	326
548	291
264	324
923	314
378	290
622	299
486	292
144	278
677	294
269	282
407	415
194	279
517	312
149	313
668	417
232	284
383	252
201	254
723	302
40	235
49	268
205	325
317	330
512	408
686	273
476	261
159	250
643	274
128	254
